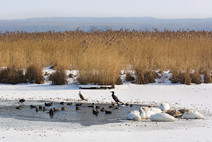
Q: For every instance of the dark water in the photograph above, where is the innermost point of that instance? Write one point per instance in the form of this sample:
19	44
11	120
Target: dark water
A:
84	116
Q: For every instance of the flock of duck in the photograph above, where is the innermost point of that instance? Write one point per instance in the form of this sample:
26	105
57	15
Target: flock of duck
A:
162	114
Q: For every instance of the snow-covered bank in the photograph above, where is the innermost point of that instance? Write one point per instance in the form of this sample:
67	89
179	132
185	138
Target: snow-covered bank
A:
196	97
192	96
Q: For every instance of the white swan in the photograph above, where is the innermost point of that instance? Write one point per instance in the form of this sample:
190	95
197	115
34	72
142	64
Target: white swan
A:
146	112
134	115
164	106
191	114
162	117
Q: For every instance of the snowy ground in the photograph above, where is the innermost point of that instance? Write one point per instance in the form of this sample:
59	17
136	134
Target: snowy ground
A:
196	97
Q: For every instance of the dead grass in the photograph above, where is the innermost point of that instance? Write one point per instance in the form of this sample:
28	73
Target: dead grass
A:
59	77
34	74
99	56
11	75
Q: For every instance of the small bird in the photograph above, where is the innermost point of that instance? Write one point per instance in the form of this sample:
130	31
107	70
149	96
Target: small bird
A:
19	107
69	104
62	103
115	98
36	109
44	109
78	104
102	109
55	110
51	112
21	100
92	105
32	106
77	108
63	108
95	112
48	104
40	107
81	96
108	112
98	107
117	107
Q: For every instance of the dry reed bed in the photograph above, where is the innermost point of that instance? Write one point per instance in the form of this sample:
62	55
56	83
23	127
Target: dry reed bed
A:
99	56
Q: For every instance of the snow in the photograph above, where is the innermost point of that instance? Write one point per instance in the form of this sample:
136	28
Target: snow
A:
195	97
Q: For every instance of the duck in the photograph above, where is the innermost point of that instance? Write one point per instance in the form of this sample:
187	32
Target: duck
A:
44	109
63	108
48	104
51	112
21	100
36	109
92	105
108	112
56	110
191	114
162	117
97	107
19	107
62	103
40	107
95	112
32	106
174	113
77	108
78	104
115	98
102	109
118	107
69	104
164	106
134	115
81	96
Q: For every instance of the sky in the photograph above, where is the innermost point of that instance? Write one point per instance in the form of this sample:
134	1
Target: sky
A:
172	9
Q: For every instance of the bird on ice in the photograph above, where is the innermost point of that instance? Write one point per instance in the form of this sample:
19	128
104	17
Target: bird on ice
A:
81	96
115	98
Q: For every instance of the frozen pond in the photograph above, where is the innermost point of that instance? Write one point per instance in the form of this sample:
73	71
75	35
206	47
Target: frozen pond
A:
83	116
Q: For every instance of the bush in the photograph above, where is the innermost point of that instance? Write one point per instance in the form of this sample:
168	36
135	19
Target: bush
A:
58	78
207	77
187	79
179	77
12	76
129	77
34	74
140	77
150	76
144	77
119	81
195	78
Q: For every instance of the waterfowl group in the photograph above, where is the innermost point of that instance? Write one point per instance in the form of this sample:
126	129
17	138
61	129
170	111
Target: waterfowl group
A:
162	114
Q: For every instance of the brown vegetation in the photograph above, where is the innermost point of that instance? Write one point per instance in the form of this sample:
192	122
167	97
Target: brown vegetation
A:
99	56
11	75
34	74
59	77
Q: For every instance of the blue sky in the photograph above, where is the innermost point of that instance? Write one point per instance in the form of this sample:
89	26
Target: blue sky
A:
20	9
